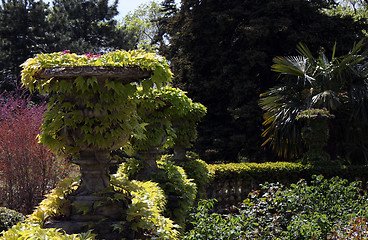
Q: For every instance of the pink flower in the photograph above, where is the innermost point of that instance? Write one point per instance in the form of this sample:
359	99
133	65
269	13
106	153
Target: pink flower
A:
92	55
65	52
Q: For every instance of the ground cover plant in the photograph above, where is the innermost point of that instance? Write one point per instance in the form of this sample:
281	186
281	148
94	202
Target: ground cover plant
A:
322	209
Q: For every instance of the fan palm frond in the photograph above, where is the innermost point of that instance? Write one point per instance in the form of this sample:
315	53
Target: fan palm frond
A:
339	84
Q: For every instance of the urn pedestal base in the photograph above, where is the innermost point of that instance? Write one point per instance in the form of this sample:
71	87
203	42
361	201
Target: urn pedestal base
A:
92	206
103	229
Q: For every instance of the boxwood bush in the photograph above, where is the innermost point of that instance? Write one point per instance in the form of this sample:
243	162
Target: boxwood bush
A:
9	217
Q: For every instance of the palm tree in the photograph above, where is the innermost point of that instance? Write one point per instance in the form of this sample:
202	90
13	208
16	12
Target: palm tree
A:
339	84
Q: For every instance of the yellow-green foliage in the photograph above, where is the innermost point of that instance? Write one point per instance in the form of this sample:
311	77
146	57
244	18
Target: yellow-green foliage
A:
168	112
145	212
28	231
109	106
129	168
148	204
173	181
197	170
55	203
184	115
120	58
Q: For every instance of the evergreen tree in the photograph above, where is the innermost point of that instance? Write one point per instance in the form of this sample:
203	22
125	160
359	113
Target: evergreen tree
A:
87	26
221	53
28	27
168	11
22	32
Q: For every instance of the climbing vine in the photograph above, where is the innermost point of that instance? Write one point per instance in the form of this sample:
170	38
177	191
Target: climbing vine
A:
170	116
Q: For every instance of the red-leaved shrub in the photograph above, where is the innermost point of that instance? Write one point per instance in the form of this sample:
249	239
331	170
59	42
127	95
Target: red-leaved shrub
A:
28	170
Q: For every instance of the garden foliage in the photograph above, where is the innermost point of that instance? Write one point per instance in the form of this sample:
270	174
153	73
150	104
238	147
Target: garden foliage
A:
179	191
145	212
29	231
9	217
28	170
321	209
336	83
221	53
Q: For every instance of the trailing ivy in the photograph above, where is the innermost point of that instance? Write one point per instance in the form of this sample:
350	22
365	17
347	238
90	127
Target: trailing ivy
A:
28	231
195	169
161	73
170	116
180	192
147	208
55	203
145	211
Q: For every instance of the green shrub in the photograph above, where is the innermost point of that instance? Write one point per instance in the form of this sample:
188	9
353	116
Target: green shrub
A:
356	228
284	172
303	211
205	225
9	217
261	172
323	209
28	231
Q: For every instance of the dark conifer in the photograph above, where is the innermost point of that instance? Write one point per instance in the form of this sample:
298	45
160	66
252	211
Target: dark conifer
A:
221	53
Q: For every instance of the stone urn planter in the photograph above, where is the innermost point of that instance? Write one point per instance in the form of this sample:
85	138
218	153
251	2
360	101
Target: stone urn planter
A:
149	152
93	160
92	111
172	117
315	134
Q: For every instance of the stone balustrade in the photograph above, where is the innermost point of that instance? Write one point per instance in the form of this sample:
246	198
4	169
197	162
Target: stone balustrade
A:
229	191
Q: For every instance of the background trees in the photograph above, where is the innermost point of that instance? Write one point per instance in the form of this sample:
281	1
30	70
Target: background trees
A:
23	29
28	27
221	53
86	26
143	24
